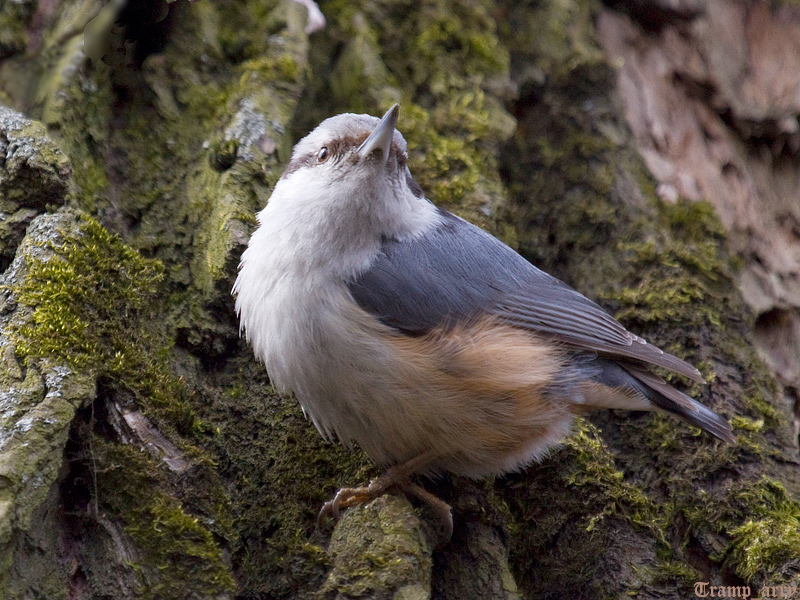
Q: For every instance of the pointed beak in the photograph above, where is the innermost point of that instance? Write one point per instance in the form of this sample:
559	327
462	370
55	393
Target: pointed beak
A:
381	138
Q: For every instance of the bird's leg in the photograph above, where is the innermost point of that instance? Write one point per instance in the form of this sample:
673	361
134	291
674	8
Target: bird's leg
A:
398	476
395	476
440	508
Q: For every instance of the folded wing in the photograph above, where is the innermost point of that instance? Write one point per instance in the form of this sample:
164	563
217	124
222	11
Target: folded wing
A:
457	271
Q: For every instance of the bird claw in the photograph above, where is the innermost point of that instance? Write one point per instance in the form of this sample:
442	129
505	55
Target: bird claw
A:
441	510
347	497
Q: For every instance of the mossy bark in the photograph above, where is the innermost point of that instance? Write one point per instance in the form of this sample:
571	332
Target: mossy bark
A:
163	464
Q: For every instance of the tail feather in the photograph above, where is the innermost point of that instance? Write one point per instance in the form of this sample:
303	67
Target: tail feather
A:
667	398
629	385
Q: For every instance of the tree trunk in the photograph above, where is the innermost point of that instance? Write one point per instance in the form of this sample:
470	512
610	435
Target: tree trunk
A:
644	152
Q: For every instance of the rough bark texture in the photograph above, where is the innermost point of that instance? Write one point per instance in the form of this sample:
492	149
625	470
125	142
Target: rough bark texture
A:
644	152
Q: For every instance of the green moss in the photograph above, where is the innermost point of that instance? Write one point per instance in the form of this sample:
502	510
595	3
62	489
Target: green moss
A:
764	528
452	40
595	473
244	32
564	42
179	553
283	67
433	44
758	396
14	18
767	545
94	305
79	116
745	424
446	166
73	290
577	505
281	472
676	572
680	274
672	288
369	560
360	77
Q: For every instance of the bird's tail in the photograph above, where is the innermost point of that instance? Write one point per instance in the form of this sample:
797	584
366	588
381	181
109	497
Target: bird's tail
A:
633	387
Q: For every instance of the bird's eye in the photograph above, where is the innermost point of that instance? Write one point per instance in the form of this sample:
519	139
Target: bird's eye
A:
322	155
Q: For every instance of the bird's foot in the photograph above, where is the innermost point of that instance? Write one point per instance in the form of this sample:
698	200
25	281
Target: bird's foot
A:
352	496
394	478
441	509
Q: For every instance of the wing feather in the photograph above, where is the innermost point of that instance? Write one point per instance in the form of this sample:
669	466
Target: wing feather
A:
457	271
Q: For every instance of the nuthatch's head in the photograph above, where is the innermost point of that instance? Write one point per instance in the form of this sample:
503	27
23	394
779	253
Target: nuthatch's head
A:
357	149
349	177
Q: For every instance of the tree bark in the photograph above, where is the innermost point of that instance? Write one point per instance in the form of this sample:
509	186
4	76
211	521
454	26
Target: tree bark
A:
644	152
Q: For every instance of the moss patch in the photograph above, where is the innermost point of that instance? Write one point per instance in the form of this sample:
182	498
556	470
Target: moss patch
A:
94	305
180	552
764	528
280	472
594	470
14	17
577	519
379	562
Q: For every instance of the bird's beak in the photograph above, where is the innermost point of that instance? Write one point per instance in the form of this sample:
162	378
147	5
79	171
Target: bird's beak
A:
381	138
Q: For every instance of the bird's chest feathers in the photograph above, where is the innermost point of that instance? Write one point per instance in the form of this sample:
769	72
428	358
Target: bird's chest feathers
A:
300	333
294	304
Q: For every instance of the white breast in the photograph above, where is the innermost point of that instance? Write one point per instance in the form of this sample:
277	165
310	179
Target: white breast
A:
290	287
304	326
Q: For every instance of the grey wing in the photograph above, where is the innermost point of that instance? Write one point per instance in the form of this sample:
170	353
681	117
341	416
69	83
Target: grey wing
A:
457	271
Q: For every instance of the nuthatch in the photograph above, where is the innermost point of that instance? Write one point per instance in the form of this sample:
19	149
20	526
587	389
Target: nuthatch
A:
425	340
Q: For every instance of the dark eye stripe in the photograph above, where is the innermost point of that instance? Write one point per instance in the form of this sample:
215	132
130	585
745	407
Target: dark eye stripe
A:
335	149
307	160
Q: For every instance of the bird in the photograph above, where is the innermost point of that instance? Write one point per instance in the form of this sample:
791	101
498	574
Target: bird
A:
420	337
